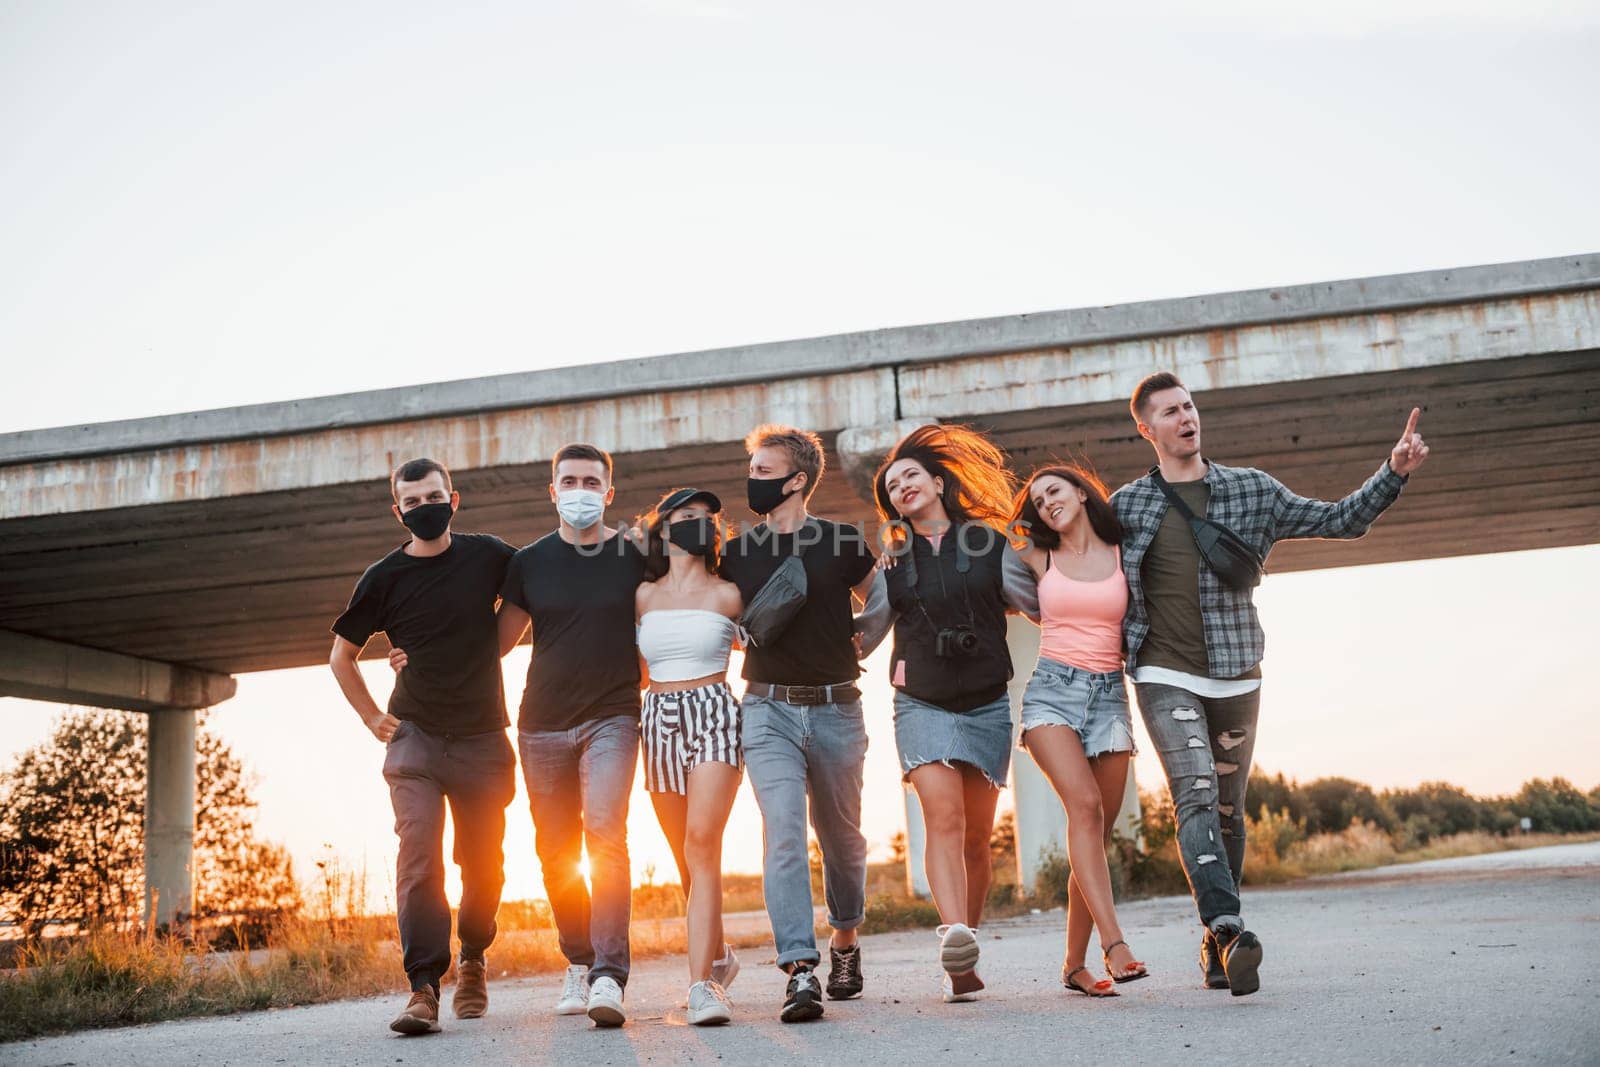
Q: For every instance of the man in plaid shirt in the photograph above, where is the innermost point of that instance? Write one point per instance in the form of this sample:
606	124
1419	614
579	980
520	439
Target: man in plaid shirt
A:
1194	643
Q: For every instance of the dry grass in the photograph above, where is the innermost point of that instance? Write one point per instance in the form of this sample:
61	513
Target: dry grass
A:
1270	859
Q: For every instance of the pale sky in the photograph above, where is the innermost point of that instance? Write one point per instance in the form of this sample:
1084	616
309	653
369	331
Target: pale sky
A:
207	205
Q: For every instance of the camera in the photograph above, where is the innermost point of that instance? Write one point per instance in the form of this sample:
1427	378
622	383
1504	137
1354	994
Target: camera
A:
956	642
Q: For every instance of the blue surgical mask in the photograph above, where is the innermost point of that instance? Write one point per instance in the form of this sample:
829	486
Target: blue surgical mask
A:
580	508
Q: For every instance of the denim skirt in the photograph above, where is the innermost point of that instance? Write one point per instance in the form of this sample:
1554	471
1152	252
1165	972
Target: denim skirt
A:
925	733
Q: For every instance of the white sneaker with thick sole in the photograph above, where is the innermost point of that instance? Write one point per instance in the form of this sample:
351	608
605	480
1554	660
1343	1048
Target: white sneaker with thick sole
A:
958	948
958	956
574	991
708	1004
725	970
605	1003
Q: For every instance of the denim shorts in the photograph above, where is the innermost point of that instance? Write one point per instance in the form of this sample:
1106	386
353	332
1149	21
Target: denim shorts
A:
924	733
1095	706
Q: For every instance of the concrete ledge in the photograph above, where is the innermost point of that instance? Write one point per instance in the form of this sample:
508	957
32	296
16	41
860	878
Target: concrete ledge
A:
36	668
765	363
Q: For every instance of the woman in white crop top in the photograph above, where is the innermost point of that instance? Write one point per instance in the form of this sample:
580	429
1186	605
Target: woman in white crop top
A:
689	730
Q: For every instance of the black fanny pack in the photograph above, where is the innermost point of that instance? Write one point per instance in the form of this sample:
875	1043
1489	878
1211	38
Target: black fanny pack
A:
779	599
1229	556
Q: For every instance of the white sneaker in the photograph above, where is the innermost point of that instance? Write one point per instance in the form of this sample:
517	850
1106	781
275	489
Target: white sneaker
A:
605	1003
958	948
708	1004
574	991
725	970
958	955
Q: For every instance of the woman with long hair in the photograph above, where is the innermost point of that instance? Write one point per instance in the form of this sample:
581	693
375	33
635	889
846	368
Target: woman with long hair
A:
945	493
689	730
1075	721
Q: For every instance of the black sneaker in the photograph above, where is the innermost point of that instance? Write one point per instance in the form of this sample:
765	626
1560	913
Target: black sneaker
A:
1216	977
802	1001
844	975
1241	958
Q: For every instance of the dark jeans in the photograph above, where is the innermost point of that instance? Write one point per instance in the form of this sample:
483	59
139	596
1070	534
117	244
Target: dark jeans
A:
477	775
578	786
1205	744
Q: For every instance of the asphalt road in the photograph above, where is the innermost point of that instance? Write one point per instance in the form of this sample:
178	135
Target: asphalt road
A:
1491	959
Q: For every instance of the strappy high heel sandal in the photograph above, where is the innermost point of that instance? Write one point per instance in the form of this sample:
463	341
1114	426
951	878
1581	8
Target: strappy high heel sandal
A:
1126	975
1100	988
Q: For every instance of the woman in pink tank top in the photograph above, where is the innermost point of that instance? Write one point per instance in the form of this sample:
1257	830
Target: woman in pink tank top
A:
1075	720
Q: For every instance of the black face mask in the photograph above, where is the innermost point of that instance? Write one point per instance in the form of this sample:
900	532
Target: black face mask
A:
428	521
765	494
694	536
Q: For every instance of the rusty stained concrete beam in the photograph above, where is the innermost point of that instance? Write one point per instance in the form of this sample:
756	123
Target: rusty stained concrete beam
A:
36	668
624	424
1298	351
805	357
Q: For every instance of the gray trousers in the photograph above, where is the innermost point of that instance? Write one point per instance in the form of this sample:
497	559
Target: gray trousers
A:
476	776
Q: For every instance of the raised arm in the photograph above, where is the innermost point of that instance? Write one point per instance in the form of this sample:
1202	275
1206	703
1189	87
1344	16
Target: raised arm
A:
1297	516
342	661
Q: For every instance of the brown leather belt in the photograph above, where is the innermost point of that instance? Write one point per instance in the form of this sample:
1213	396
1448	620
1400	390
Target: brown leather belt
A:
841	693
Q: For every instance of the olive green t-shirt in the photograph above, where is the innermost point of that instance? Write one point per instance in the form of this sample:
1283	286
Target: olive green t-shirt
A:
1171	571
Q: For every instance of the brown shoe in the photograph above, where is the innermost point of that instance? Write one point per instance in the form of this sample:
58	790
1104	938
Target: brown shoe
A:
421	1015
471	998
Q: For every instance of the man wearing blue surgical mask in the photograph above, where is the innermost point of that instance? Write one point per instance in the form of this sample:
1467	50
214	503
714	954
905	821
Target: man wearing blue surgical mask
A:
578	728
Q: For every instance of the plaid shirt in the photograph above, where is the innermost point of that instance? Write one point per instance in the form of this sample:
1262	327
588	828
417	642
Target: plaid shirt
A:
1261	510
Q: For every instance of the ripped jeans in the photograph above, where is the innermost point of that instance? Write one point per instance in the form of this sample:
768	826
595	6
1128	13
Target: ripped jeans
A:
1205	744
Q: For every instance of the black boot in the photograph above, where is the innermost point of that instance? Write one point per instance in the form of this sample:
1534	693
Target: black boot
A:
1211	963
1241	958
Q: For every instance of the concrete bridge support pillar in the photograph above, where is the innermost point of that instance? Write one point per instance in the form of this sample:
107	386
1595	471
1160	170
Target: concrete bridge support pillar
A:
36	668
169	817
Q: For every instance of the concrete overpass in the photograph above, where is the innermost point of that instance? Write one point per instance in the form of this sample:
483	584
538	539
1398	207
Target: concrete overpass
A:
145	562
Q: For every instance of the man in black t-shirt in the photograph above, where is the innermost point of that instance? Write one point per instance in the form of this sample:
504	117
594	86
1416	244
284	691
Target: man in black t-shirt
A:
801	720
445	731
578	729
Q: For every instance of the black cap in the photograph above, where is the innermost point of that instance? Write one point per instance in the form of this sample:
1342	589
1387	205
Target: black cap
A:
682	498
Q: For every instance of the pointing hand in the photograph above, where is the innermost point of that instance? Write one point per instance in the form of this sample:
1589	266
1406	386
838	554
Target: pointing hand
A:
1410	451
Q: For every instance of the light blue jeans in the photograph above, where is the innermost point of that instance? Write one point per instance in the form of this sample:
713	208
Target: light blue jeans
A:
797	753
578	786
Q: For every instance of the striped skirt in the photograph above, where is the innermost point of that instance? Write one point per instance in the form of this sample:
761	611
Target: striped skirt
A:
679	731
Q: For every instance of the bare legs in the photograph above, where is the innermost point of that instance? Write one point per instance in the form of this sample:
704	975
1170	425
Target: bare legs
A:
693	825
958	811
1091	792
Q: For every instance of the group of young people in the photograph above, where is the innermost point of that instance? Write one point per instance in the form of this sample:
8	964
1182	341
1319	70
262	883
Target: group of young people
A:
1151	584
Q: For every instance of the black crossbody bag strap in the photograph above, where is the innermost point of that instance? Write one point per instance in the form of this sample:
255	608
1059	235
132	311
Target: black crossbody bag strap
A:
1172	497
1230	556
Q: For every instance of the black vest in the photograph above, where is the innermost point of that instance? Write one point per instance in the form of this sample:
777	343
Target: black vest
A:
957	586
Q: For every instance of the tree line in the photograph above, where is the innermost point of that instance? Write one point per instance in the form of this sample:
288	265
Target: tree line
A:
72	833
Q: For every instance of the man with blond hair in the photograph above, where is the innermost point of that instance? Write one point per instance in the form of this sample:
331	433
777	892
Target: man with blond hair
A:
802	728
